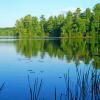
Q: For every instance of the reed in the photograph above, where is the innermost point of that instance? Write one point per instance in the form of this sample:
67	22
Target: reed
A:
85	87
2	86
35	89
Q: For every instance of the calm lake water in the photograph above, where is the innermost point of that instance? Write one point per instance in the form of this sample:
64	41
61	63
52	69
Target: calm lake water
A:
43	69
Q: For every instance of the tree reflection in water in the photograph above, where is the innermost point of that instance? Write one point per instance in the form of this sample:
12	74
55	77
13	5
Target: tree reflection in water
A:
85	50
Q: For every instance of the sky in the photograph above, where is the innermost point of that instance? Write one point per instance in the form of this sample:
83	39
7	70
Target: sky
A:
11	10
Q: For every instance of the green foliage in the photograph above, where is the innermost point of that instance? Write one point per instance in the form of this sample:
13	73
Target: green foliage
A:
73	24
77	24
7	32
29	26
96	12
76	50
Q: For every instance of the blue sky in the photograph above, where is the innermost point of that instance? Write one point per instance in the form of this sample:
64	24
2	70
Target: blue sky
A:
11	10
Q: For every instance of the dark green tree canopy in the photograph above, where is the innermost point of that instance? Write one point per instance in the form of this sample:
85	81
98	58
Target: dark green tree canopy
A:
73	24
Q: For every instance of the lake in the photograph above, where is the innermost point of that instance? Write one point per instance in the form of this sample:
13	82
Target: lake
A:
49	69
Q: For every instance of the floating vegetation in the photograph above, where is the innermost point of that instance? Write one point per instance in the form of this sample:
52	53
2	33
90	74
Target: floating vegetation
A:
40	61
30	70
59	77
41	71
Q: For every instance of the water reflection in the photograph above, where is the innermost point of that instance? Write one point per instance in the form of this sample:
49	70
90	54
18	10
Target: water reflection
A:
61	69
76	50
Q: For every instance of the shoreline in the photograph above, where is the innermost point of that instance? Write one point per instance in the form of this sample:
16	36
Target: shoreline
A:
16	37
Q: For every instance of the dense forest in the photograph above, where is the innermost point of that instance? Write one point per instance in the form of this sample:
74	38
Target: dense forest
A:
73	24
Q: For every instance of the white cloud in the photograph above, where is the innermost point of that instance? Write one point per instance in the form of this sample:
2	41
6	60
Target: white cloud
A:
65	10
72	9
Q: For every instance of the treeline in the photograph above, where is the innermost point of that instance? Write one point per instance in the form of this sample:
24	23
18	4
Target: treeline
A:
73	24
7	31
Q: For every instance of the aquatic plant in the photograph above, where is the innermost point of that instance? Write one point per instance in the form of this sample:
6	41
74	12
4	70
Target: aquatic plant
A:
86	86
35	88
2	86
